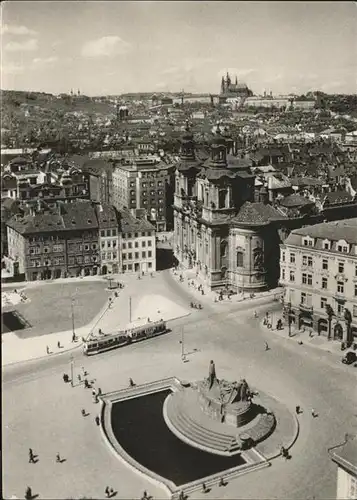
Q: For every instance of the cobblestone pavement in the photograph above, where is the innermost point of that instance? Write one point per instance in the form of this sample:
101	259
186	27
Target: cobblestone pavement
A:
43	413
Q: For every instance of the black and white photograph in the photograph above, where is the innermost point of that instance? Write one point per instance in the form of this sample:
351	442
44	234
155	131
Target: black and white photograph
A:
179	250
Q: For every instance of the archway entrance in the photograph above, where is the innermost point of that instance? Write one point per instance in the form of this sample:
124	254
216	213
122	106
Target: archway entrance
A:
338	332
104	269
322	326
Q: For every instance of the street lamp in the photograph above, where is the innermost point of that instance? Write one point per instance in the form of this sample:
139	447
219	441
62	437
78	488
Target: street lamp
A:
72	370
289	318
72	311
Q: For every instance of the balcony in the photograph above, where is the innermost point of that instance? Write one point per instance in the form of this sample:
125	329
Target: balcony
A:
306	308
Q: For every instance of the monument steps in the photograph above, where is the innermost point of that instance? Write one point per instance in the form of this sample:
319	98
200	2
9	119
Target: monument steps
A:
194	431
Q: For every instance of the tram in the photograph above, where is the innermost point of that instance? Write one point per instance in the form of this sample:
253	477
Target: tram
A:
135	332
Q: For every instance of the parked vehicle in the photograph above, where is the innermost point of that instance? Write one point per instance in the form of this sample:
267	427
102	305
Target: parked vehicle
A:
349	358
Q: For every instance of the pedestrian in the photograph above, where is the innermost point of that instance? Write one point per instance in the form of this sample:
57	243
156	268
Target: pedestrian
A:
65	377
73	337
28	493
47	349
84	371
255	314
181	495
94	392
313	413
266	346
59	344
31	456
79	378
99	391
83	412
131	382
58	458
107	492
204	488
221	482
97	420
86	384
145	495
297	409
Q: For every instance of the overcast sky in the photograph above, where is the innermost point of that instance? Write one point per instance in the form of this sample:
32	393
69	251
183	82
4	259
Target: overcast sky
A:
114	47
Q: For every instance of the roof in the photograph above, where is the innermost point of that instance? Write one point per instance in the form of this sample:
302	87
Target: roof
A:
130	224
96	166
79	216
257	214
107	216
295	200
335	197
213	173
333	231
345	455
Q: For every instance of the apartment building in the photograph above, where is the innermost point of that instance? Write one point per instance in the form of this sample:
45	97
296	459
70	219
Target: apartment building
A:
109	239
318	269
144	183
138	244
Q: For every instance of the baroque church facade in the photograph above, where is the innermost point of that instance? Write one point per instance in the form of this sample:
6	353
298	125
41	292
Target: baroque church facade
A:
219	231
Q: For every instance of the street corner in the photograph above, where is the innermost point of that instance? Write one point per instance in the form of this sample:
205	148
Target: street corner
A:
158	307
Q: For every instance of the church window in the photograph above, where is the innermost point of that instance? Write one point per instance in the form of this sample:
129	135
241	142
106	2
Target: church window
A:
240	258
222	198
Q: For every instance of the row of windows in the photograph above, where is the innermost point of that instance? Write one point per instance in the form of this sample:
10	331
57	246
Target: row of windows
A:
307	280
137	235
308	261
136	244
109	244
60	248
130	267
108	232
109	255
129	255
56	261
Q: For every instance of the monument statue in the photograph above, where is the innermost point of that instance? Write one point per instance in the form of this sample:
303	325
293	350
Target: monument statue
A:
211	374
258	257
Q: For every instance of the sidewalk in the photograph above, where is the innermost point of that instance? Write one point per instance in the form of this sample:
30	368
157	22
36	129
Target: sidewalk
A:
138	299
303	335
211	297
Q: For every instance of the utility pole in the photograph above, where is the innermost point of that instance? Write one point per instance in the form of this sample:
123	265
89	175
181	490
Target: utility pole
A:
72	311
72	370
182	344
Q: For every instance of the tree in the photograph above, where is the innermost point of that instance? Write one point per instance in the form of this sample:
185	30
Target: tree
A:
330	314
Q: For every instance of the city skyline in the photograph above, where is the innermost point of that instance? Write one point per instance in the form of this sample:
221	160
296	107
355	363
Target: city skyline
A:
118	47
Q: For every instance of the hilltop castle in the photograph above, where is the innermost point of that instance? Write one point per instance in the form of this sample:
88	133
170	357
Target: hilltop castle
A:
233	90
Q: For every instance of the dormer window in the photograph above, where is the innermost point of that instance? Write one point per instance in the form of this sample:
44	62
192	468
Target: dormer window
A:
308	242
326	245
342	246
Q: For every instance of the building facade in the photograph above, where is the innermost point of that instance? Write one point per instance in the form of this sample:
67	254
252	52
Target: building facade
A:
345	456
109	239
218	230
318	270
138	244
146	184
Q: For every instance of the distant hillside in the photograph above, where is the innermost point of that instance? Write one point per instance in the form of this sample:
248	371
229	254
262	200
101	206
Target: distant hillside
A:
13	101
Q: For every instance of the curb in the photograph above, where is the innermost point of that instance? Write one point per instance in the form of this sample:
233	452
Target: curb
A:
43	357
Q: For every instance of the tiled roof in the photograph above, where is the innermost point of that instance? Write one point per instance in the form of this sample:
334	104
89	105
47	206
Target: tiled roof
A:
130	224
335	197
295	200
212	173
257	214
80	215
334	231
107	216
